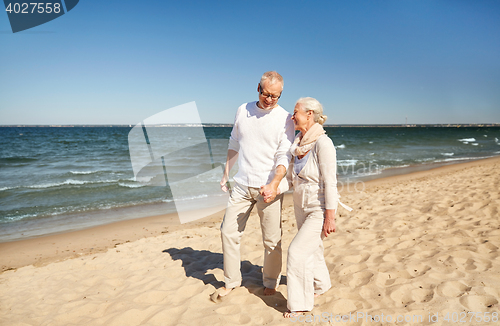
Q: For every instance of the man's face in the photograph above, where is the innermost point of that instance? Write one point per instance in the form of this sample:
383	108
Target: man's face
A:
269	94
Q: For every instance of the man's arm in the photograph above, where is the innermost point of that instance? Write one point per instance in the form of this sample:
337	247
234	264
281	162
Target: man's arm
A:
231	158
270	191
283	156
232	152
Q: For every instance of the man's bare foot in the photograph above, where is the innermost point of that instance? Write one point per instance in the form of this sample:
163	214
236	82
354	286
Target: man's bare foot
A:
268	291
220	293
293	314
223	291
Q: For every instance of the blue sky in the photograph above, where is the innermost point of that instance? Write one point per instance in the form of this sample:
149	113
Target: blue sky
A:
368	62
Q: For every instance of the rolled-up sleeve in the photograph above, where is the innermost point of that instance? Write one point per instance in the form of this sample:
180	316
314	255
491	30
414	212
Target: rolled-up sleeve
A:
327	160
234	142
283	155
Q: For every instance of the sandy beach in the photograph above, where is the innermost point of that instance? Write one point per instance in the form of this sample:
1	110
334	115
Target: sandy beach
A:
418	249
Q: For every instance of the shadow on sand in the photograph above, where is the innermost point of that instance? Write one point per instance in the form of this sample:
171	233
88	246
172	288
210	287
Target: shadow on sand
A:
198	263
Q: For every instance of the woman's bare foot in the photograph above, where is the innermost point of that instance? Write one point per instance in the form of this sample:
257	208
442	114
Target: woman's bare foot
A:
293	314
268	291
318	294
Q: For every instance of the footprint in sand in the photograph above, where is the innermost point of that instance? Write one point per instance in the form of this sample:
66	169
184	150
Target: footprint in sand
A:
152	297
402	295
384	279
355	259
422	295
478	302
452	289
244	320
343	306
406	244
452	241
487	248
360	279
352	269
417	269
392	258
426	254
371	292
184	293
476	264
395	274
228	310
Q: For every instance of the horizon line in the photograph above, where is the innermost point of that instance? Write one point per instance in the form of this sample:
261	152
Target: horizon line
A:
495	124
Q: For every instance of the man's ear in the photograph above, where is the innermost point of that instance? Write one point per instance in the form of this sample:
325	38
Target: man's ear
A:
258	87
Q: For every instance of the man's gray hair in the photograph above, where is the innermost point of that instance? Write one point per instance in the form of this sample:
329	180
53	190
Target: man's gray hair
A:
312	104
272	77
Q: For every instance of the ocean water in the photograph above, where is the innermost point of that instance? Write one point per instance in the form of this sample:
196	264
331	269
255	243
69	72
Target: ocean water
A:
55	179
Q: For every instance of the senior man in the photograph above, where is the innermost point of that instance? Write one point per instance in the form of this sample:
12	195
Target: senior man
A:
260	140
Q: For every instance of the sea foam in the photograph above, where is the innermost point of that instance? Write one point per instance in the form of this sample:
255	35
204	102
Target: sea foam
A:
68	182
346	162
83	172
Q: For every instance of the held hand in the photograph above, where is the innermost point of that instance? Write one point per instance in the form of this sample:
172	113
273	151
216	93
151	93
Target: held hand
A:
223	183
268	192
329	222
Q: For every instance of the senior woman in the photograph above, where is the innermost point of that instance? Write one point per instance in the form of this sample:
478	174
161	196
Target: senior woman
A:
313	175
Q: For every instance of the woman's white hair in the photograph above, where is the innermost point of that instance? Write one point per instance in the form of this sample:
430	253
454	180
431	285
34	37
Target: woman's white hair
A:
312	104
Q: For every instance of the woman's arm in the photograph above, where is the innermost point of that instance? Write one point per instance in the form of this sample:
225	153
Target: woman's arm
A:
327	160
329	222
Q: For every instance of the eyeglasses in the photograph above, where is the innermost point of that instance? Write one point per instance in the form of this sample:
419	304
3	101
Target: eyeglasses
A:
267	95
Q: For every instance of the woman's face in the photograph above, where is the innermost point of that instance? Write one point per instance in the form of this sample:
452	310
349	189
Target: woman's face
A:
301	118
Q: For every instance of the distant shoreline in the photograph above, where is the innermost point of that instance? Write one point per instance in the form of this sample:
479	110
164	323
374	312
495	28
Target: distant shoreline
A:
431	125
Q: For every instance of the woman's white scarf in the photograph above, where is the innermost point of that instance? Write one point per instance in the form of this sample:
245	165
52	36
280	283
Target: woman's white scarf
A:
307	141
